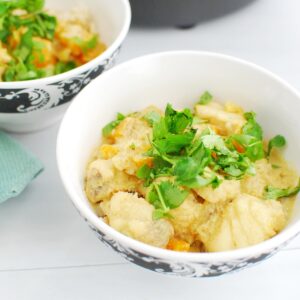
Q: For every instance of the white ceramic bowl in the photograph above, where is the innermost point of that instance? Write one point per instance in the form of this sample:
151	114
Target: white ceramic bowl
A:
178	78
35	104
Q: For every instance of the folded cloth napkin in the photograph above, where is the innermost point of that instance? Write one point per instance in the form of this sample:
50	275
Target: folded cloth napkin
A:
17	168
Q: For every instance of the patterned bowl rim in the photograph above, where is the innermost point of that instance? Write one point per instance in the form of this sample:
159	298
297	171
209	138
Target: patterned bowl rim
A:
264	247
81	69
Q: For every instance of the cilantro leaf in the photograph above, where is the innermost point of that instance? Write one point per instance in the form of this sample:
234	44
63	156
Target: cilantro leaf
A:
29	5
202	181
160	213
86	45
173	143
255	151
107	129
215	142
252	147
45	26
203	156
233	171
143	172
197	120
177	121
277	141
165	196
251	127
173	196
276	193
62	67
205	98
160	129
230	163
152	117
19	71
161	167
250	141
187	168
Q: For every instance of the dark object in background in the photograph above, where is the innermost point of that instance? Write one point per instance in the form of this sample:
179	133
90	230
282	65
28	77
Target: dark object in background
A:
181	13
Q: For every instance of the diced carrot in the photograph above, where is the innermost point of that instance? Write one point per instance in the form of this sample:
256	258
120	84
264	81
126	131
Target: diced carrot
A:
218	130
176	244
94	52
214	155
108	151
15	38
140	161
119	130
239	148
70	44
45	56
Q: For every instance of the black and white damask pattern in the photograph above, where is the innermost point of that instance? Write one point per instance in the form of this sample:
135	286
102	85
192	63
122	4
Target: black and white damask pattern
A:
191	269
51	95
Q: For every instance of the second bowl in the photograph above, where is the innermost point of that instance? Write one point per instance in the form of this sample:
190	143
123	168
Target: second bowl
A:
35	104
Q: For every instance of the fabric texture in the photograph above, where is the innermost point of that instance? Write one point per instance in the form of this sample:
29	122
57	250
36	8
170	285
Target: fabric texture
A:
17	167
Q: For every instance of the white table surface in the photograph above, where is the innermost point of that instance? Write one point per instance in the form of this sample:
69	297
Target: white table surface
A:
48	252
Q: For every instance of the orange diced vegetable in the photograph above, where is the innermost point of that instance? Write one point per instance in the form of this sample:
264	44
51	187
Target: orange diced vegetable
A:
239	148
214	155
108	151
178	245
140	161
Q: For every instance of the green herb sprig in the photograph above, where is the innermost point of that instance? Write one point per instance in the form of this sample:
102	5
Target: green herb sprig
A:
185	160
205	98
193	161
277	193
36	24
165	196
108	128
277	141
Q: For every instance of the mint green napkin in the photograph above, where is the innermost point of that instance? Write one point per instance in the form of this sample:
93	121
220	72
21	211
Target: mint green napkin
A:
17	167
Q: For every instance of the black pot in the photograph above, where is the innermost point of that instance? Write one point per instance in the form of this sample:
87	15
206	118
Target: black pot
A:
181	13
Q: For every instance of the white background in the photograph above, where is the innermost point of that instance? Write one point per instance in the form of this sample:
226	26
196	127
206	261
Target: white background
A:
48	252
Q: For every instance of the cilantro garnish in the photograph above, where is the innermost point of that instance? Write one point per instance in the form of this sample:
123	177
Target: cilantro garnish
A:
165	196
26	37
132	146
276	193
152	117
252	128
193	161
177	121
170	134
277	141
250	140
205	98
62	67
107	129
86	45
35	23
29	5
188	170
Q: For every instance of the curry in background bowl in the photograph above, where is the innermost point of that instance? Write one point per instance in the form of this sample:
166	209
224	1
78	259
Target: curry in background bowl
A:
37	43
52	49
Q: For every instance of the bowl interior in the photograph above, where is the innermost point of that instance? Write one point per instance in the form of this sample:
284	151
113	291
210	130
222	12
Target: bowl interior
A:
108	15
178	78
